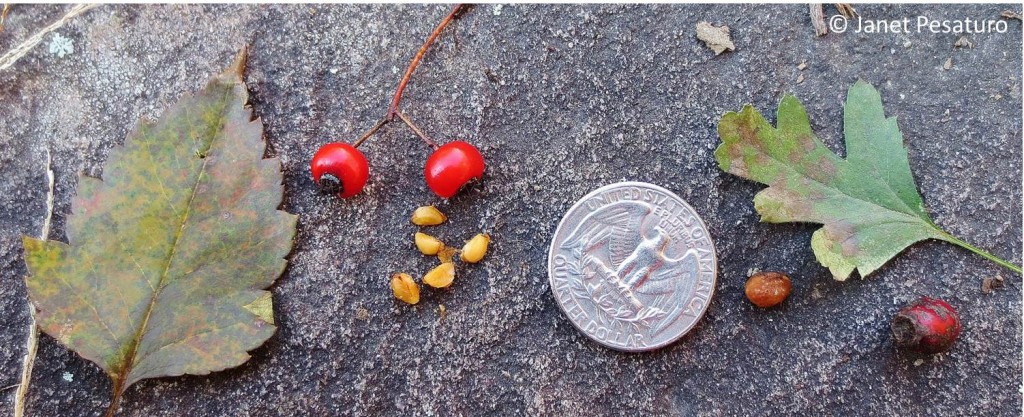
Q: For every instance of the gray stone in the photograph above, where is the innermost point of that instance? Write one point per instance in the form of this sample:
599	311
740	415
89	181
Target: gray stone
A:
561	100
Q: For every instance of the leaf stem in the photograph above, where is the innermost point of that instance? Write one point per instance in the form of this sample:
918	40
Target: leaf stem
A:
1005	264
430	142
115	399
393	108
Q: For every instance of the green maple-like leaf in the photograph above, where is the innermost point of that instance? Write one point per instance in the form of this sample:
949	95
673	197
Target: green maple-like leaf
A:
868	202
170	254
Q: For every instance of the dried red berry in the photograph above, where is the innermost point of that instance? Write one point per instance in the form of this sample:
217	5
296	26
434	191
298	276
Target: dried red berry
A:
929	325
768	289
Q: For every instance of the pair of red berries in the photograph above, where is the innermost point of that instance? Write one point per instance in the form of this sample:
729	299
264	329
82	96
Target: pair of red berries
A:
340	168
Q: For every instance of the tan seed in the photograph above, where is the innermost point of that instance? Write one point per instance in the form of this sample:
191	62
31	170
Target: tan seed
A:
475	249
441	276
405	288
428	244
428	216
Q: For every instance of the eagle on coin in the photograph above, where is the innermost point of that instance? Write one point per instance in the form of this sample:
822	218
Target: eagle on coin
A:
624	262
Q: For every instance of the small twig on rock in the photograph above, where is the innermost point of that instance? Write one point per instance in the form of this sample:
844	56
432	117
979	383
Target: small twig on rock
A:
818	19
3	15
846	10
1010	14
19	51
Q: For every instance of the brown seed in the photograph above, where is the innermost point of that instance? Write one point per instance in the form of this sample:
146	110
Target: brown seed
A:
428	216
441	276
405	288
768	289
428	244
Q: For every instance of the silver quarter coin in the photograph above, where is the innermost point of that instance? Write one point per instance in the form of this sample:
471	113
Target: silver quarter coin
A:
632	265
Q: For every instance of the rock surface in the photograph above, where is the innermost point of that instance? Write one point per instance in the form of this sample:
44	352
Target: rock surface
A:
561	100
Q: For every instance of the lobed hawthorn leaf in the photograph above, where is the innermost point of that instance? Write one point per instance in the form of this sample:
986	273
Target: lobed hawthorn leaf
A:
868	203
170	254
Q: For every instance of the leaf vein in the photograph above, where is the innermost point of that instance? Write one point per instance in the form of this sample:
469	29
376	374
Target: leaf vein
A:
141	331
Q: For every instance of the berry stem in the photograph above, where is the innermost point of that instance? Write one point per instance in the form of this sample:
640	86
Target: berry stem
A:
430	142
393	108
370	132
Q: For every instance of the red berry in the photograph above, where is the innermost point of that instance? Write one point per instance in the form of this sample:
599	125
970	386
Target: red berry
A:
451	166
339	168
929	325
